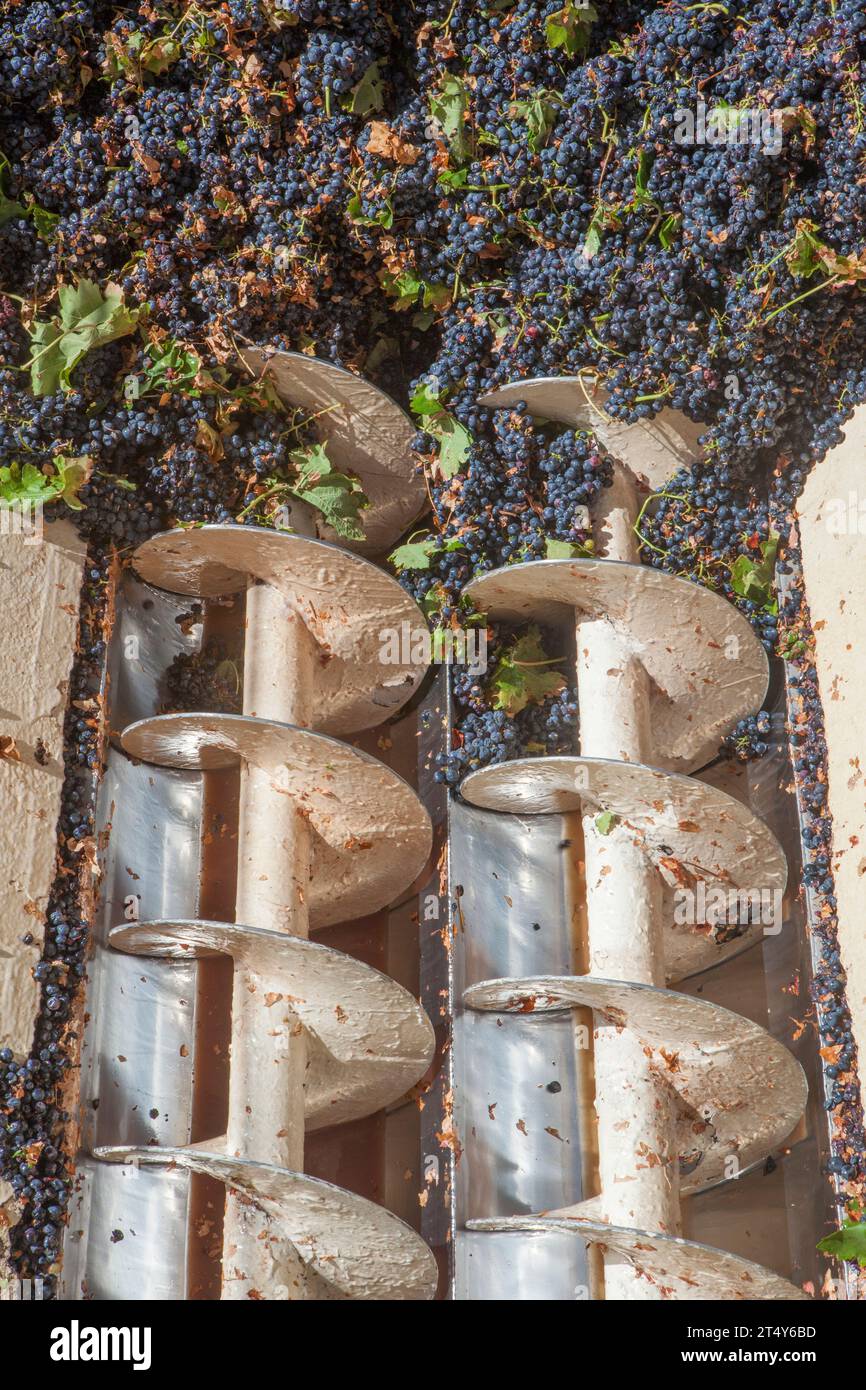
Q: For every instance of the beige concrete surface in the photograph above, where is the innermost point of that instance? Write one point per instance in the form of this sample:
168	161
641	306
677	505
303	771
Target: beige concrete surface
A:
832	515
40	580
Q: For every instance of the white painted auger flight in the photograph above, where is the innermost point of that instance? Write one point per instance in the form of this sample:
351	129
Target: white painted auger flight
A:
326	834
365	432
664	669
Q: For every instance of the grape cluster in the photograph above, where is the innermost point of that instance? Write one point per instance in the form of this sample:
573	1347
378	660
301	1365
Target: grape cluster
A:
485	733
200	160
210	679
454	189
749	738
494	736
584	224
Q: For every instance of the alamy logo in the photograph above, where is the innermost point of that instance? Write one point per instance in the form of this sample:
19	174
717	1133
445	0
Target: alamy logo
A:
22	518
77	1343
729	125
23	1290
443	646
846	518
717	906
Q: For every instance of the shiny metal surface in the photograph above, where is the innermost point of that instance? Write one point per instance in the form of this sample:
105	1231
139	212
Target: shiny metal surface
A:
363	1251
365	433
512	918
655	447
739	1092
300	782
676	1268
707	668
430	908
515	1080
371	833
146	639
525	1266
374	1039
692	832
138	1051
360	618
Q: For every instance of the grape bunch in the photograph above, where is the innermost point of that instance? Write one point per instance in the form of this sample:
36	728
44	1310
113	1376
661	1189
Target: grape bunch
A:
512	715
210	679
749	738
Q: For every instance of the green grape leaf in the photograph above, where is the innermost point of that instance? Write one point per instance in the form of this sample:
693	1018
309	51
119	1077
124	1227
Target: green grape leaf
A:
406	287
339	498
522	675
449	107
175	367
159	55
367	95
414	555
807	254
88	319
569	27
538	116
802	256
754	579
848	1243
382	351
384	218
29	484
72	474
564	550
131	57
602	218
594	234
435	296
641	182
425	400
433	602
669	229
9	207
454	439
453	178
340	504
45	222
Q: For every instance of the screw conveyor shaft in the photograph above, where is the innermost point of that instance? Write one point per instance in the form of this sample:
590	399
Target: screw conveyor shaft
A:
324	834
686	1093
